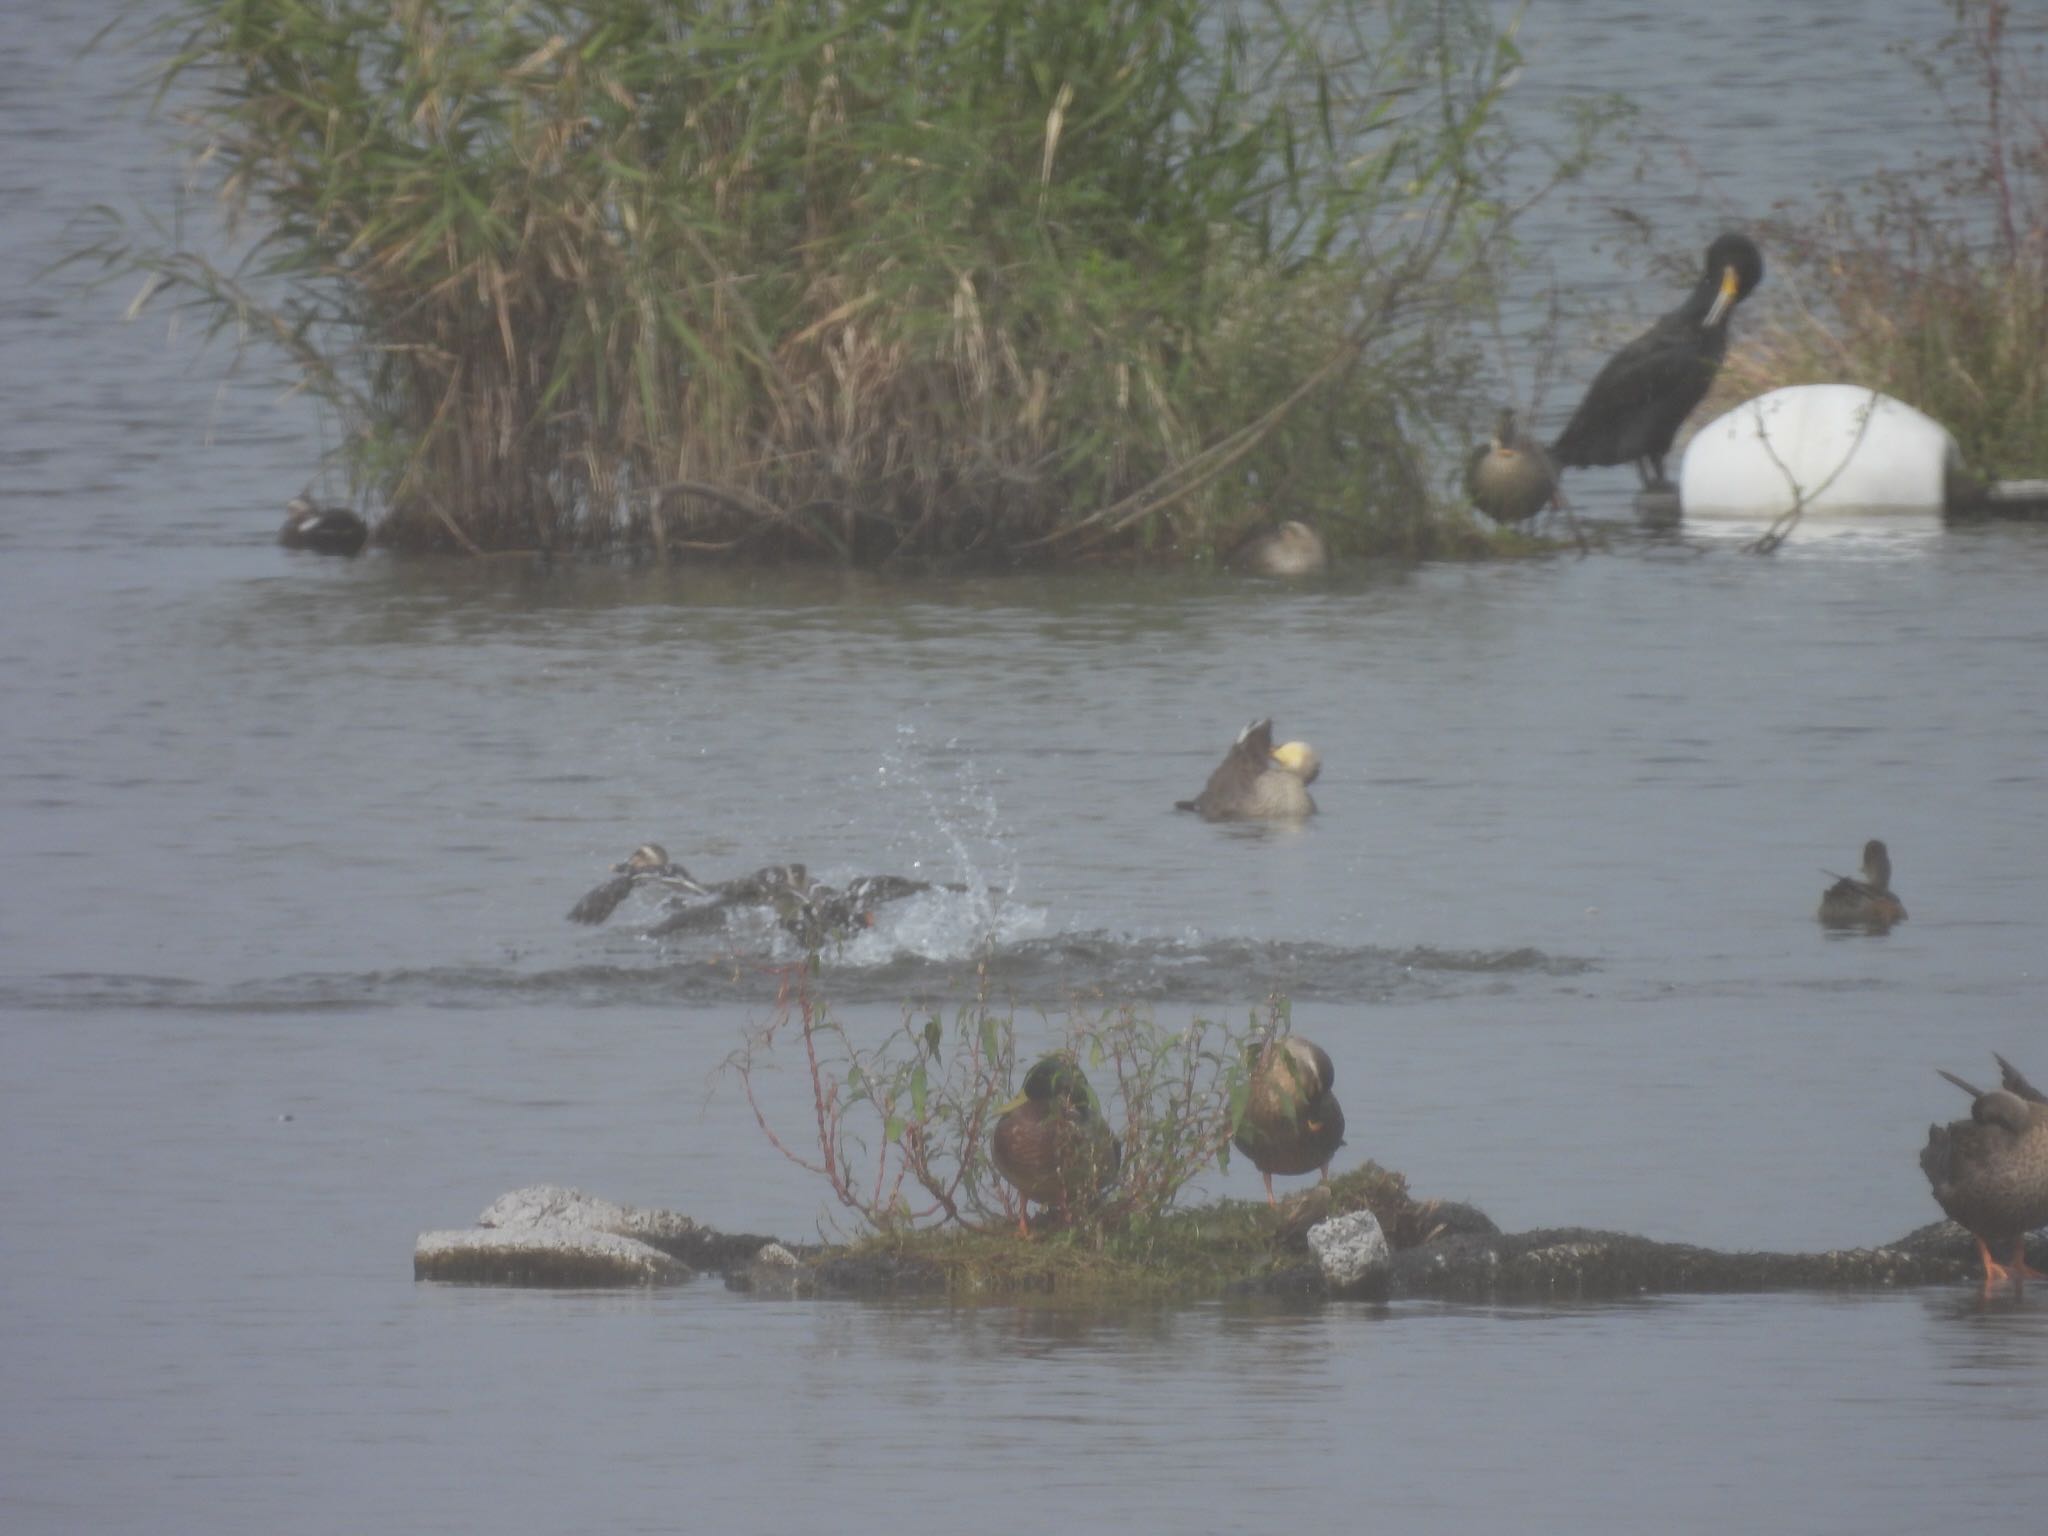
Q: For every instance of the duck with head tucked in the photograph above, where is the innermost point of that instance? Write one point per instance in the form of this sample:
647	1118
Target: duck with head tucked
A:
324	530
1868	902
1051	1142
1292	1122
1292	548
1990	1172
1257	781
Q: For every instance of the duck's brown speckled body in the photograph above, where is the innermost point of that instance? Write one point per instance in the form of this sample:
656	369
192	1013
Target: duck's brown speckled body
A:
1868	902
1291	549
1510	477
1292	1121
1257	781
1051	1142
1990	1172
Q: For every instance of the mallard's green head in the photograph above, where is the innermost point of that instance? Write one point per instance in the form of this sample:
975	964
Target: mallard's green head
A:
1054	1083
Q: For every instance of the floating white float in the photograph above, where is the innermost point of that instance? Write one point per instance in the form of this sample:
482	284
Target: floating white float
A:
1848	450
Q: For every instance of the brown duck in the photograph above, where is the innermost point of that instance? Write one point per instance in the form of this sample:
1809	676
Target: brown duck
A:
1292	1123
1510	477
1051	1142
1990	1172
1291	549
1867	902
1257	781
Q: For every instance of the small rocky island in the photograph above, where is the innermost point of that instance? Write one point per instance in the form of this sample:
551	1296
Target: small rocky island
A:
1360	1235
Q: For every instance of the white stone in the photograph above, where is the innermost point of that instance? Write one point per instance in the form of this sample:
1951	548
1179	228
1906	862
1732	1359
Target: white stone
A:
1351	1250
555	1205
542	1253
1850	451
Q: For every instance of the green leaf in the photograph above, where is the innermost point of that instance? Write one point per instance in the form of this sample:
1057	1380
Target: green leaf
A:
892	1128
932	1035
917	1092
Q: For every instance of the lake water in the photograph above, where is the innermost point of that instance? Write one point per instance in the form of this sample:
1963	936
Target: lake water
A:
286	979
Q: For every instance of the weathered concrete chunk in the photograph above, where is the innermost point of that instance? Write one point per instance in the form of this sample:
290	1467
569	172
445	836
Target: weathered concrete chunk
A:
1351	1251
542	1253
556	1205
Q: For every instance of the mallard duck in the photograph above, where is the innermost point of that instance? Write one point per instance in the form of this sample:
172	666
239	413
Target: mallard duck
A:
649	863
1292	1122
1291	549
1864	903
1990	1172
324	530
1257	781
1640	399
1051	1142
1510	477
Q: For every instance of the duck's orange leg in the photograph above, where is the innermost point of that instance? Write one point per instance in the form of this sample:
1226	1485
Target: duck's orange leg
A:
2021	1269
1995	1273
1269	1190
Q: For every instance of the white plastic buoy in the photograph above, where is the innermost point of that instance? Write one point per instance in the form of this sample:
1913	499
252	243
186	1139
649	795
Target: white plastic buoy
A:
1845	449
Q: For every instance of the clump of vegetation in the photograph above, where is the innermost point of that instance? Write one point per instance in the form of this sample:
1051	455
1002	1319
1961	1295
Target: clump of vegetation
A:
1176	1255
847	279
1931	288
901	1129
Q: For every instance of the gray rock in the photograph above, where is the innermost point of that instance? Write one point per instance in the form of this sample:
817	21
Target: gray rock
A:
548	1235
542	1253
1352	1253
553	1205
775	1271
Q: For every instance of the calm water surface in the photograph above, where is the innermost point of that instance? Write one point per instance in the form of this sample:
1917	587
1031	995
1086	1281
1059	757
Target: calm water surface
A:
285	976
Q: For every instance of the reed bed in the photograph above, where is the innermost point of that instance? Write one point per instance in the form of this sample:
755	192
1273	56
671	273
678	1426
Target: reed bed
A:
1932	287
990	279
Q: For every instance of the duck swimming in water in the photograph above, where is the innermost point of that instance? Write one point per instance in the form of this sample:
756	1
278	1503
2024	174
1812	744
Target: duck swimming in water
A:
1865	903
1257	781
1051	1142
649	864
1510	477
1291	549
1638	401
1990	1172
1292	1122
324	530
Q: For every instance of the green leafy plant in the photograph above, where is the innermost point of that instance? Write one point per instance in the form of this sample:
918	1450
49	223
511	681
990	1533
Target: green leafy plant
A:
900	1129
853	279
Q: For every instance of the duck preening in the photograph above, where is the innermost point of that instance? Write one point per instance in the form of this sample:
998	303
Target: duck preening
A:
324	530
1510	477
1292	1122
1638	401
1990	1172
1257	781
1866	902
1051	1142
